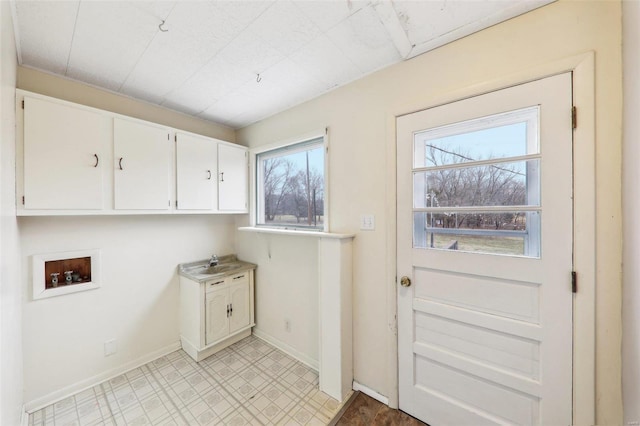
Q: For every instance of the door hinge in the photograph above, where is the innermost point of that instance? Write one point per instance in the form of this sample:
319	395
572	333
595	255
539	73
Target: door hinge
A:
574	117
169	203
168	136
574	282
176	204
23	200
175	138
23	104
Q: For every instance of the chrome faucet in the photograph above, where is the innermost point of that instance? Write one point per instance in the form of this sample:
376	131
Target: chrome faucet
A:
214	260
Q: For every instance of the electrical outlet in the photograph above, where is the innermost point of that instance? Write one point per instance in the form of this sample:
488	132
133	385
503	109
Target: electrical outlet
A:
287	326
110	347
367	222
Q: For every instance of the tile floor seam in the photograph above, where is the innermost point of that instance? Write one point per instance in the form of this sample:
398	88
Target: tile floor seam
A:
166	394
249	382
231	393
107	400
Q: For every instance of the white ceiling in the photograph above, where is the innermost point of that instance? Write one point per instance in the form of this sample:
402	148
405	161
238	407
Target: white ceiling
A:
207	62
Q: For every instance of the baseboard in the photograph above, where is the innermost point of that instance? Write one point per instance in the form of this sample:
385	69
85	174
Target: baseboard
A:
289	350
74	388
368	391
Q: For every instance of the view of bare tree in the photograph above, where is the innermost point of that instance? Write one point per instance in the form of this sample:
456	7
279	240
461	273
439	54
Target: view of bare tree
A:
292	192
502	184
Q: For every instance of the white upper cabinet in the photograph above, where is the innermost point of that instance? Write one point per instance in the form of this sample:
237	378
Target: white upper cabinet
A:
233	173
142	154
64	156
196	171
76	160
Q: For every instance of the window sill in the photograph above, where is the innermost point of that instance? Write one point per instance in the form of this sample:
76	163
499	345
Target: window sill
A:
300	233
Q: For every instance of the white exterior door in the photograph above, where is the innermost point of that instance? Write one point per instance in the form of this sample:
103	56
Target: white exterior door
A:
485	245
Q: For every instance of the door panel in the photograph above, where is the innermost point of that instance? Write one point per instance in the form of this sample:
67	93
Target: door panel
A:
142	163
485	235
196	168
239	299
217	318
64	152
233	178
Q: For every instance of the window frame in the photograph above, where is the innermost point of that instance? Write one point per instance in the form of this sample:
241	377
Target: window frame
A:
529	115
288	145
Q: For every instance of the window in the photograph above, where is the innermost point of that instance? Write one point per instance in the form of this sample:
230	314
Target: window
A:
476	185
290	186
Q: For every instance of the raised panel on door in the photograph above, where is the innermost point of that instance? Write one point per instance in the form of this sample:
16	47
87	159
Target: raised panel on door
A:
64	154
239	298
142	166
233	178
196	171
217	319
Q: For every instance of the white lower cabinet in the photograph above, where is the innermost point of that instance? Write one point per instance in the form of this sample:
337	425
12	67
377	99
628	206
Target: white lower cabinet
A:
215	314
216	307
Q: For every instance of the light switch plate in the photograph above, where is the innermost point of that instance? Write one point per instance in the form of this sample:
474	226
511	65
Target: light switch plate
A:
367	222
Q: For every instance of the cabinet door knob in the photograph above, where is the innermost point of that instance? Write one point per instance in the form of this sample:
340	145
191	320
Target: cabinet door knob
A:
405	281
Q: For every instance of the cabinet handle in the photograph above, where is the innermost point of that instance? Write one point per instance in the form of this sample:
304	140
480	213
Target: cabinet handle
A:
231	310
120	163
209	171
221	176
97	160
238	277
228	311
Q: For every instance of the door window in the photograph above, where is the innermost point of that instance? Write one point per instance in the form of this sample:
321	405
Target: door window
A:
476	185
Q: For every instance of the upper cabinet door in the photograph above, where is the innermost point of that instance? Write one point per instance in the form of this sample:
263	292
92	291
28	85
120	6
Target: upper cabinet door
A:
196	171
64	153
232	178
142	155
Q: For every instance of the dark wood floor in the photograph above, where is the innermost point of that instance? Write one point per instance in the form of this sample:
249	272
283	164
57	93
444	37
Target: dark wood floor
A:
364	410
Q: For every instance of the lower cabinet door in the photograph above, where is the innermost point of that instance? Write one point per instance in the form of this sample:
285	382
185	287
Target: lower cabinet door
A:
240	306
217	318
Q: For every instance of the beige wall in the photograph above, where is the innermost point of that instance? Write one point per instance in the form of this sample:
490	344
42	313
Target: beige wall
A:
73	91
360	117
631	206
11	383
286	289
137	305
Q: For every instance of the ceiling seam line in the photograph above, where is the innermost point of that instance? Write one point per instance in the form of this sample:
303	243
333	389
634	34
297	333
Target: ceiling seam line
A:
133	68
73	36
212	57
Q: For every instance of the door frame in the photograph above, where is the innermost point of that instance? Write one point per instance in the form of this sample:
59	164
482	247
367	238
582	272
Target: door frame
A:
584	219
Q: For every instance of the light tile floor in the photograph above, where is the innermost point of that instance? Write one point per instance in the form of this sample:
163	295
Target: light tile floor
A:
248	383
